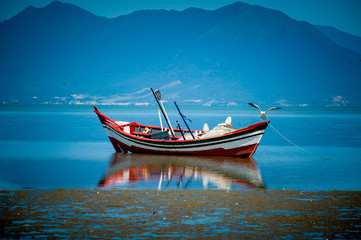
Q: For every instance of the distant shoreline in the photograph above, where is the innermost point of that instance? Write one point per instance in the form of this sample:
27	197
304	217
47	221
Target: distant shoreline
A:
146	104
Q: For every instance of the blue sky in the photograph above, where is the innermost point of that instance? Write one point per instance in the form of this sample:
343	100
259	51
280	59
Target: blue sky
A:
342	14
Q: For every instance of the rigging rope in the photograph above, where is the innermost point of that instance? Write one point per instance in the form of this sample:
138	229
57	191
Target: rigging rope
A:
296	145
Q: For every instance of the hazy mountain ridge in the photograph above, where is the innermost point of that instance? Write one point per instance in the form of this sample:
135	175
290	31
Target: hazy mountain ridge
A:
343	39
232	55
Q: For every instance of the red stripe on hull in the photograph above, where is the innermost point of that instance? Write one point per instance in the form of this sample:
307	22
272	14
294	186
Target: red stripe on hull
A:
246	151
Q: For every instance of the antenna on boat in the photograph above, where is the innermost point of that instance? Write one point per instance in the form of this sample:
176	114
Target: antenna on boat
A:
184	120
180	129
160	120
158	97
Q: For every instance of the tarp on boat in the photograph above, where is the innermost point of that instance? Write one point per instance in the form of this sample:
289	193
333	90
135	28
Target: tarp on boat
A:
219	130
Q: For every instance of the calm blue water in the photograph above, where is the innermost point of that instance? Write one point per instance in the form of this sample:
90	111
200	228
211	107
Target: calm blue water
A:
61	146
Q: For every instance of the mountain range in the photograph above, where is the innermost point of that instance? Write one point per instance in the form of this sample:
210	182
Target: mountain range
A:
233	55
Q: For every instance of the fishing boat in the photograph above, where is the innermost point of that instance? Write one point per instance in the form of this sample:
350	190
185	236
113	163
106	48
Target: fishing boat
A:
141	138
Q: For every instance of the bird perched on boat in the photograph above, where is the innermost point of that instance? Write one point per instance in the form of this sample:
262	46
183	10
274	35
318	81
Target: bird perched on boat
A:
263	113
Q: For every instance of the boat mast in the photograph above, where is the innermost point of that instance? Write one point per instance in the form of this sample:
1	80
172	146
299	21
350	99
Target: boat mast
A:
157	96
184	120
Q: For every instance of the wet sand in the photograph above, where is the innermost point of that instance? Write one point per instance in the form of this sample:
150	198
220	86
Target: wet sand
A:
105	214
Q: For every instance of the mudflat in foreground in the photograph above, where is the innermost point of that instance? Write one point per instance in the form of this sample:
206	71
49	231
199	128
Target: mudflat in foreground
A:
180	214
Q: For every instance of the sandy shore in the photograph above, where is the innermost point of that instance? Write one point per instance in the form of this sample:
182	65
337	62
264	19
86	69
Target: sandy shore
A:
105	214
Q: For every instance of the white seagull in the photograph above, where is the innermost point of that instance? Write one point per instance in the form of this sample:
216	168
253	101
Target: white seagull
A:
263	113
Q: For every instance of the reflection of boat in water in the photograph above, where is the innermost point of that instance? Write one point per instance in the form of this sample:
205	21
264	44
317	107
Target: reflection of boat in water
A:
169	171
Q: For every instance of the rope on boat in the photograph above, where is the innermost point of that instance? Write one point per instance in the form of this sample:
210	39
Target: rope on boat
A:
297	145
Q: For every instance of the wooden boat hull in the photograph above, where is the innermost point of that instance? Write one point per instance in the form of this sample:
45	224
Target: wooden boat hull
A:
242	142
